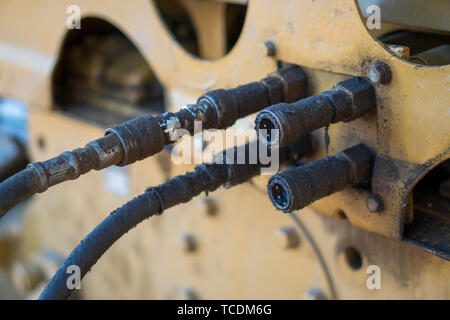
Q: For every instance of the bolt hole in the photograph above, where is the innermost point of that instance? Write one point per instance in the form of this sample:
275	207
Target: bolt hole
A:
353	258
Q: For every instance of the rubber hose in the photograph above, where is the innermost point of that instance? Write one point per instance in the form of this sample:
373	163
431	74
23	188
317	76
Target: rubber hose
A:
17	188
155	200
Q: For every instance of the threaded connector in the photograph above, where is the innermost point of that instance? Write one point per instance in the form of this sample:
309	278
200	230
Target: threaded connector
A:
96	155
140	138
286	84
347	101
145	136
296	188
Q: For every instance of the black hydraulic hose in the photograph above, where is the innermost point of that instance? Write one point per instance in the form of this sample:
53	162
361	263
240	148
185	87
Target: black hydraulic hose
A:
298	187
180	189
152	202
39	176
145	136
16	189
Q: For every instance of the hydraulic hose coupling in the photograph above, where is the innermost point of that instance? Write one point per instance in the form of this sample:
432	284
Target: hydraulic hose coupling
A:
288	84
348	100
296	188
219	109
145	136
97	154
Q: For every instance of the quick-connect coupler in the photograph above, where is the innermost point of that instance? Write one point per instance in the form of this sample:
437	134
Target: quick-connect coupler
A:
348	100
296	188
288	84
145	136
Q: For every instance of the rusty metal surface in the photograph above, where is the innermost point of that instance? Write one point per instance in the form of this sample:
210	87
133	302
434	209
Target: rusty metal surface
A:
328	38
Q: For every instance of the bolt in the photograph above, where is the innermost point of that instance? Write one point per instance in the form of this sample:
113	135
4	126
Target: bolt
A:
380	73
188	242
211	207
270	47
288	237
315	294
374	203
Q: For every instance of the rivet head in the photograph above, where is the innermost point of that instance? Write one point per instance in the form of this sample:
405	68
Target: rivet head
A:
288	237
375	203
187	242
270	48
380	73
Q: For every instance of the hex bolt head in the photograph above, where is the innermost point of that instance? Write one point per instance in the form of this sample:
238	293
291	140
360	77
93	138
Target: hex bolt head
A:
375	203
380	72
270	47
188	242
288	237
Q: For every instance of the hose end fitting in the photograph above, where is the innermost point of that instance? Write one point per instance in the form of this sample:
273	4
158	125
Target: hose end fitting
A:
296	188
294	82
362	94
140	138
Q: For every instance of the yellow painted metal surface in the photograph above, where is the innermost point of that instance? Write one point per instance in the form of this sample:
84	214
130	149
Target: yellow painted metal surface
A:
238	254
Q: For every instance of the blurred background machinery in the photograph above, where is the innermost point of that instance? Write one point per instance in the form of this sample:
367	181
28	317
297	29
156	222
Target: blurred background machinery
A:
60	88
